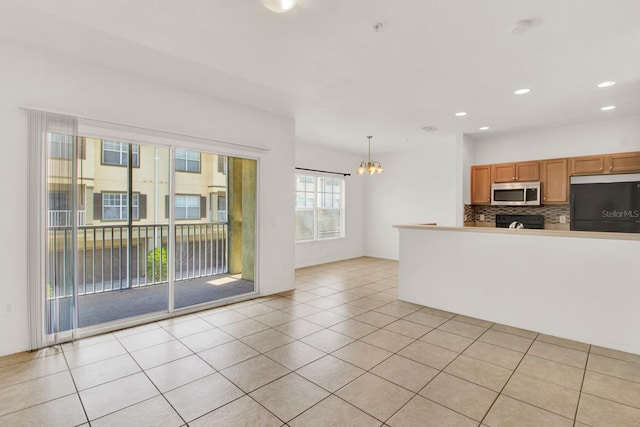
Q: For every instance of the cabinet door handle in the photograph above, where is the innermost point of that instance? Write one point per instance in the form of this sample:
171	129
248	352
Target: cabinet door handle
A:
610	168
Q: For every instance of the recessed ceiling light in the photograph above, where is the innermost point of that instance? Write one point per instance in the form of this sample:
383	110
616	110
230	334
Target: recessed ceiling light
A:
484	128
461	114
608	107
279	6
606	84
522	91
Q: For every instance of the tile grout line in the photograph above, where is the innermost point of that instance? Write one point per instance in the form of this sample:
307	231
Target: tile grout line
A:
216	372
370	371
440	371
584	375
84	410
395	353
446	320
500	393
536	406
219	372
331	354
151	381
67	369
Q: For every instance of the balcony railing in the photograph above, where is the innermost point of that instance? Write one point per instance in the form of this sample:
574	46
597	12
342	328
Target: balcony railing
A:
116	257
64	218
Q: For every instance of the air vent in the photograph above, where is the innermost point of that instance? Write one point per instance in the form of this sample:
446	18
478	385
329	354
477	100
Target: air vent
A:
430	128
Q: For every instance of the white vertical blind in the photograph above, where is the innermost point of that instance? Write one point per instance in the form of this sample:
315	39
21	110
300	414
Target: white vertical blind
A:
40	125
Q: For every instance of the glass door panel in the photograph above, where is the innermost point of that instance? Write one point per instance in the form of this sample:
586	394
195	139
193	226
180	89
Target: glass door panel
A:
203	239
122	245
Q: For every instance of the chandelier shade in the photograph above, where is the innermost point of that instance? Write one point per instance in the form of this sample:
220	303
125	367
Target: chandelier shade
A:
370	167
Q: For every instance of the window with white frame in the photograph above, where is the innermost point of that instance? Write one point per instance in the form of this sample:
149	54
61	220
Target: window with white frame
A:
319	208
115	206
117	153
187	161
187	206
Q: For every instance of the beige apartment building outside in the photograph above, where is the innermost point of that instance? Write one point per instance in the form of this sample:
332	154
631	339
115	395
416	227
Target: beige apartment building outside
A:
201	184
114	253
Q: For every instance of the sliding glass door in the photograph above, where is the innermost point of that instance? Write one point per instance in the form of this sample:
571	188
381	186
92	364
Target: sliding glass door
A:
135	230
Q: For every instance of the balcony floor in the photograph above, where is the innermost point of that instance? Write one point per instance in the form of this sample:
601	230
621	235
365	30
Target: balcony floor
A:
115	305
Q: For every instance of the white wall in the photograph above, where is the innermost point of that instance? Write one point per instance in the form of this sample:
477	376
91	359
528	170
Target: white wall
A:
352	246
39	79
580	286
466	154
420	185
608	136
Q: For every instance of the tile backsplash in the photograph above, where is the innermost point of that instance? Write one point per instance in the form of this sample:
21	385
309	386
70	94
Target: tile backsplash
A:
551	214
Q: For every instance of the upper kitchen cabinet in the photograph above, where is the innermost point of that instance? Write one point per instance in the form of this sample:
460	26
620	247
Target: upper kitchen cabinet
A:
522	171
605	163
554	176
481	185
623	163
586	165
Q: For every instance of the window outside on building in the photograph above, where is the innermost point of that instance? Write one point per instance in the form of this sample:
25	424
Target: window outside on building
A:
187	206
117	153
319	208
115	207
187	161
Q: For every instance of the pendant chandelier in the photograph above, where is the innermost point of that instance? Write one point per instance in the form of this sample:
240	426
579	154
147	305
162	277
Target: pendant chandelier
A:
370	167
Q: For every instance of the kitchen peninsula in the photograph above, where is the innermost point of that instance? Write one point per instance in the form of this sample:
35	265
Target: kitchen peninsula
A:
583	286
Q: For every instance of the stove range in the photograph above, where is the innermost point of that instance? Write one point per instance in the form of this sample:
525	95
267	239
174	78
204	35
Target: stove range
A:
527	221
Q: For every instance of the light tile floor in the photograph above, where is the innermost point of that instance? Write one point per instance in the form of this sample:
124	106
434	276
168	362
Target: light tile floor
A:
340	350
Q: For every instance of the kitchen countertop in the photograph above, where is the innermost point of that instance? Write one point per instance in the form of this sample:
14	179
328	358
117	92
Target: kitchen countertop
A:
546	232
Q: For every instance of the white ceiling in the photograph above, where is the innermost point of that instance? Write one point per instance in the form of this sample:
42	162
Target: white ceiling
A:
324	64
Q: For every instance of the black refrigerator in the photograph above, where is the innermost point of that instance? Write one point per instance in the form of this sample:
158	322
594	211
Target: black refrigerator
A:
606	203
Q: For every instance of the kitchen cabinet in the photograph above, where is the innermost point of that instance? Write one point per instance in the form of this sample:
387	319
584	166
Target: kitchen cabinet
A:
522	171
623	163
481	185
554	176
586	165
605	164
552	173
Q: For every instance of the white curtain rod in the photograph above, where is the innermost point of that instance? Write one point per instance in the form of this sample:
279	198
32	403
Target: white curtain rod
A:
321	171
150	132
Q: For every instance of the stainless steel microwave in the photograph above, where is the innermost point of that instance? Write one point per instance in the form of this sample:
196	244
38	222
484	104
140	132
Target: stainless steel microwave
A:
516	194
